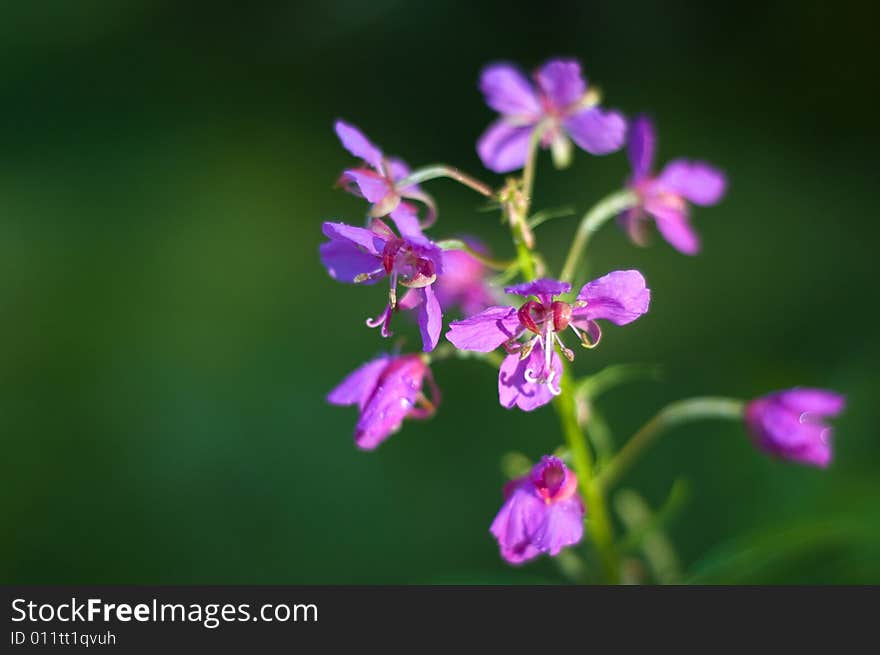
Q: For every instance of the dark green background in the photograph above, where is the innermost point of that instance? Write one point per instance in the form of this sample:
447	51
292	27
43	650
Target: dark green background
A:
168	333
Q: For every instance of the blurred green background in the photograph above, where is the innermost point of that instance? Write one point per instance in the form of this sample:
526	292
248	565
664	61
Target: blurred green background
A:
168	333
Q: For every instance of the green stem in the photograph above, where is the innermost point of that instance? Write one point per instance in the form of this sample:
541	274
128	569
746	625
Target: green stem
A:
683	411
518	209
524	257
528	179
611	376
598	522
442	170
605	209
458	244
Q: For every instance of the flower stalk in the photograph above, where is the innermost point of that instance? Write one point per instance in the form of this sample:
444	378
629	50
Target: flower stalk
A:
598	520
674	414
436	171
601	213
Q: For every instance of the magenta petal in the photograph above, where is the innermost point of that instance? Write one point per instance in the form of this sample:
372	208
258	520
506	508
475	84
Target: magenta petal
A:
787	432
360	383
430	319
620	297
542	287
819	402
597	131
504	147
346	262
516	522
641	147
392	399
697	181
675	226
464	281
406	218
635	222
485	331
372	186
366	239
398	170
507	91
563	525
357	144
515	389
561	82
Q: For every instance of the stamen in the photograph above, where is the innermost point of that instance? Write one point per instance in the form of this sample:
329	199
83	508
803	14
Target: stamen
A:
372	275
568	353
526	348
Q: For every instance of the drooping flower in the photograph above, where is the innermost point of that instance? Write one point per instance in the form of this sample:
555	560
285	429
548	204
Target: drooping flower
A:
559	100
464	281
387	390
791	424
542	513
529	375
665	197
377	182
366	255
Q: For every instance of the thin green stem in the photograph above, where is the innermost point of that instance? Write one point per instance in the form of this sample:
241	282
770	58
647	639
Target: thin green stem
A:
683	411
599	521
524	257
458	244
605	209
442	170
614	375
528	178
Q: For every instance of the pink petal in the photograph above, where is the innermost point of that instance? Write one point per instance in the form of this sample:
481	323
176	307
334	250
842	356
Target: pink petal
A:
430	319
504	147
507	91
813	401
357	387
641	147
357	144
366	239
372	186
620	297
675	226
697	181
561	82
515	389
597	131
485	331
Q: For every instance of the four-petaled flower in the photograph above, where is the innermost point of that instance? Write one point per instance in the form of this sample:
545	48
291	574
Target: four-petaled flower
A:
790	424
530	374
378	182
387	390
665	196
365	255
561	104
542	513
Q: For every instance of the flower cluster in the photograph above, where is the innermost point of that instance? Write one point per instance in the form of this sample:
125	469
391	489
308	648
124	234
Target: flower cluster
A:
538	322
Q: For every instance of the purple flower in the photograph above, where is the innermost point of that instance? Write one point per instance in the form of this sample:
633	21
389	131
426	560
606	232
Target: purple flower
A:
664	197
559	99
366	255
542	513
386	390
377	181
464	282
790	424
529	375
